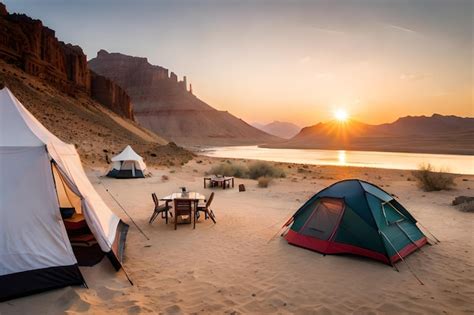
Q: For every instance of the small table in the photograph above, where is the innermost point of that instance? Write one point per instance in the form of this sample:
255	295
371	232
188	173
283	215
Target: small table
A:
188	195
220	181
193	196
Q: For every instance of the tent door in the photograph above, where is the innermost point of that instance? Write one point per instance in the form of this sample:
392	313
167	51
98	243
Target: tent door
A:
324	220
133	168
83	242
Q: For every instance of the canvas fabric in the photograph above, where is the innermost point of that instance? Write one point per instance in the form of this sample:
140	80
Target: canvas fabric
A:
28	198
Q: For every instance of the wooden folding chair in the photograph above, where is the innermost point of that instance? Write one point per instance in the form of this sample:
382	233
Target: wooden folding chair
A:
208	213
183	207
163	209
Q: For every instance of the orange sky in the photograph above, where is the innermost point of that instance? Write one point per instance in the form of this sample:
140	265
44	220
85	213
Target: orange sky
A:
294	61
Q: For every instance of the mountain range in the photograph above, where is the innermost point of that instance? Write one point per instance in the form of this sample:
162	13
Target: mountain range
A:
163	104
284	130
433	134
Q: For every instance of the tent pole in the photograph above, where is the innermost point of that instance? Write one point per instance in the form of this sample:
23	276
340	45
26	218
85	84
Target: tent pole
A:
408	236
409	268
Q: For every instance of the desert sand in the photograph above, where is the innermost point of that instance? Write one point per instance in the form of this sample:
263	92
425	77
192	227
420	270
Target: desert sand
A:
236	267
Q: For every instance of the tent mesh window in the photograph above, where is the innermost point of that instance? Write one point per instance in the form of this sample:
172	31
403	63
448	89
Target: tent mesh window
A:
324	219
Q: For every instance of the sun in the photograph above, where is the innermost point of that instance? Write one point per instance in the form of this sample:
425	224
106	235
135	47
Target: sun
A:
341	115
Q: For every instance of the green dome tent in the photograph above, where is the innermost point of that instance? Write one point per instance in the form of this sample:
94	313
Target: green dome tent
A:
356	217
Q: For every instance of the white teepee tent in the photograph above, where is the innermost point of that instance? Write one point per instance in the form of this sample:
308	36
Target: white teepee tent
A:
127	164
38	173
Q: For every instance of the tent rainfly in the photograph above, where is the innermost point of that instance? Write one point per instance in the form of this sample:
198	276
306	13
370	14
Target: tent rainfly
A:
127	164
356	217
39	176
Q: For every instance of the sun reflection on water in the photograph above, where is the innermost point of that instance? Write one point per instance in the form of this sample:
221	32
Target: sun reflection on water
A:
341	156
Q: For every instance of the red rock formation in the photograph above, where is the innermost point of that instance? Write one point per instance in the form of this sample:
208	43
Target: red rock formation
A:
164	105
34	48
111	95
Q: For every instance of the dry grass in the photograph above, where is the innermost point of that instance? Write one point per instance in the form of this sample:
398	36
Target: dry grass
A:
264	182
230	169
264	169
431	180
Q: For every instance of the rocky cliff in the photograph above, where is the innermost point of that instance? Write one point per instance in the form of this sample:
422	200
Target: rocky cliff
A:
34	48
110	94
165	105
95	131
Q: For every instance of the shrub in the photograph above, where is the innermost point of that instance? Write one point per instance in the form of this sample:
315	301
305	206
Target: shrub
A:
230	169
164	177
263	182
467	206
462	199
264	169
431	180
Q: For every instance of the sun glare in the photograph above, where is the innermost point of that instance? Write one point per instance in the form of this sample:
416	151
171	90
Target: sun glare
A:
341	115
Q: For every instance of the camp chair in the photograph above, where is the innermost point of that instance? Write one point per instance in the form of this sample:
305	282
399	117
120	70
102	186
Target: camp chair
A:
208	213
163	209
182	207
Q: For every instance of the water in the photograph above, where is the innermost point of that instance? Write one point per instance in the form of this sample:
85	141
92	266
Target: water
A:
459	164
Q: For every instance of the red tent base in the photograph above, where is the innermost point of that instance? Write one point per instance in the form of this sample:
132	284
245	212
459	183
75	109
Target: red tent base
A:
330	247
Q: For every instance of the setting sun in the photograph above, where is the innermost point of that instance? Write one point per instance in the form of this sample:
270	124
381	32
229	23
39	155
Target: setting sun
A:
341	115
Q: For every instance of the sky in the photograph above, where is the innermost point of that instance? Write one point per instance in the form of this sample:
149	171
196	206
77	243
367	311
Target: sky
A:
296	61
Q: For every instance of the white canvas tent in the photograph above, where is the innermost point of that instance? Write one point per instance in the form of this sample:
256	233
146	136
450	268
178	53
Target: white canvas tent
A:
39	173
127	164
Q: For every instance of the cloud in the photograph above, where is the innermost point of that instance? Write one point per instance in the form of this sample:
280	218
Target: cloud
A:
401	28
327	30
414	76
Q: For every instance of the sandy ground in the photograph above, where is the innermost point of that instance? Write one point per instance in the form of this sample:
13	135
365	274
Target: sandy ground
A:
232	267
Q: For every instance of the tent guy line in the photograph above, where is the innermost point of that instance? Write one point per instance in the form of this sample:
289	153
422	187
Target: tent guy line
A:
123	209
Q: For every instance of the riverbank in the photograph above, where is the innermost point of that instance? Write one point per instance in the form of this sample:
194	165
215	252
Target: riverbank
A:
457	164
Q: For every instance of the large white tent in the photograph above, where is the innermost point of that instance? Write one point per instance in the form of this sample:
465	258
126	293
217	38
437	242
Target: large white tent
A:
127	164
38	173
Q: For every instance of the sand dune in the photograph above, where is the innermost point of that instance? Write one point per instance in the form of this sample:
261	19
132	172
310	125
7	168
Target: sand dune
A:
231	267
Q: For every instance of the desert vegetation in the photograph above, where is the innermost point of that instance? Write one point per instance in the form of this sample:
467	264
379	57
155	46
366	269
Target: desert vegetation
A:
254	170
264	182
464	203
430	179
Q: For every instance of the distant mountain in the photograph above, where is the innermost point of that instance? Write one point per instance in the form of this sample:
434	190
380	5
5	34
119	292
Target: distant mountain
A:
164	104
435	134
285	130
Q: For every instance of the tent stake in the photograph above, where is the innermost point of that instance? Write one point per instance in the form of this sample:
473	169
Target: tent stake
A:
285	231
126	275
409	268
136	225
